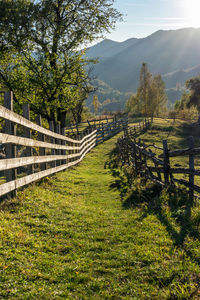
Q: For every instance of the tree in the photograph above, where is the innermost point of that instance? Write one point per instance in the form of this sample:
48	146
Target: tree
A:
150	98
46	35
133	105
143	92
96	103
78	109
159	97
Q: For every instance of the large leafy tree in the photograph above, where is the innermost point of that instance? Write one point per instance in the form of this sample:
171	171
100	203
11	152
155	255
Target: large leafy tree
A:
44	36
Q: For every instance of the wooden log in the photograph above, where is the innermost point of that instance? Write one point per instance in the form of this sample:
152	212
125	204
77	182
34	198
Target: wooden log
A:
27	132
10	129
186	183
183	152
191	166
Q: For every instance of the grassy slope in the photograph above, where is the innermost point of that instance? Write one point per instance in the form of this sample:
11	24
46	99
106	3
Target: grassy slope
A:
70	238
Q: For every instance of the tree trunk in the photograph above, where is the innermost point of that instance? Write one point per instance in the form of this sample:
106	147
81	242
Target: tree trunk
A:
62	118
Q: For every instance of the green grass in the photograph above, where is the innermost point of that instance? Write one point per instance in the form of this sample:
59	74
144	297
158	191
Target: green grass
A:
176	133
72	237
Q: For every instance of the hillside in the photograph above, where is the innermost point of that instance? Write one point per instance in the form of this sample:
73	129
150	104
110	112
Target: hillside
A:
174	54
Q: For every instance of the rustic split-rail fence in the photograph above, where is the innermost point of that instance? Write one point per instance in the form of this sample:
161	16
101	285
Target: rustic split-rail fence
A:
30	152
157	168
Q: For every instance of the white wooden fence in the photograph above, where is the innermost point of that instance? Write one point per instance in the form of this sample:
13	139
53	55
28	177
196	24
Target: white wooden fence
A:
27	145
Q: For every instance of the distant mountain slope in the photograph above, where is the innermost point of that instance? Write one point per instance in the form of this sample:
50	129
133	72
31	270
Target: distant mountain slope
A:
101	49
164	51
175	54
108	48
180	77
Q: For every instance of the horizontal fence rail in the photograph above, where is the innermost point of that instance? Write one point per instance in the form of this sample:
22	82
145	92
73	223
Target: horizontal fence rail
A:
30	152
158	167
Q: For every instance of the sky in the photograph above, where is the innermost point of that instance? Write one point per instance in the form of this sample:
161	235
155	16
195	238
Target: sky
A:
143	17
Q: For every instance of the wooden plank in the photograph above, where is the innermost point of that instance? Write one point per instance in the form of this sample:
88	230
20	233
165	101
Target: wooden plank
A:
186	183
24	161
176	170
15	184
28	160
15	118
6	138
183	152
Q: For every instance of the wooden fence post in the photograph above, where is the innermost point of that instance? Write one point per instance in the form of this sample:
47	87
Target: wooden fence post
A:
63	143
27	132
53	151
102	130
10	149
166	162
58	130
191	166
41	137
135	158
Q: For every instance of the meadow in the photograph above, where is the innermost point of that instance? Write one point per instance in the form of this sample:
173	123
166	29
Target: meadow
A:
74	236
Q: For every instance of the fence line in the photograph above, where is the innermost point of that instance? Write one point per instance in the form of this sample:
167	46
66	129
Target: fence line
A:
141	157
31	151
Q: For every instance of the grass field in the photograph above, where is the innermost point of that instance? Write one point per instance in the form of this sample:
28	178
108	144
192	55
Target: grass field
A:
71	237
176	133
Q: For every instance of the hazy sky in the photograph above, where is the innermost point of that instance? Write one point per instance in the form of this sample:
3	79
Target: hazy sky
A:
143	17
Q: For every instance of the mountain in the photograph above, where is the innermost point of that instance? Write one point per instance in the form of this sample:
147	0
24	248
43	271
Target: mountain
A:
108	48
175	54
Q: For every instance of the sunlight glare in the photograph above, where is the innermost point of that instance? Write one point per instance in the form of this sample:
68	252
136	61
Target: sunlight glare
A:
192	9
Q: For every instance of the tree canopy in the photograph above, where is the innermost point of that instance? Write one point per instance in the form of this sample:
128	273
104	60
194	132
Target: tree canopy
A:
40	40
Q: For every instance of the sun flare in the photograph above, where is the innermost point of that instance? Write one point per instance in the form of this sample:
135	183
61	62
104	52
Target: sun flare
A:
192	10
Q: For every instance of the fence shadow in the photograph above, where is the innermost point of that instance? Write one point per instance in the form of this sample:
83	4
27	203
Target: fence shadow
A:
172	206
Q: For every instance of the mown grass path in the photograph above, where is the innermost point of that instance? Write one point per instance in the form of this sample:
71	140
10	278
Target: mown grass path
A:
70	238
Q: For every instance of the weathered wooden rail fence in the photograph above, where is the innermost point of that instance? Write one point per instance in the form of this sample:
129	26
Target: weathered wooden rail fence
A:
157	167
32	152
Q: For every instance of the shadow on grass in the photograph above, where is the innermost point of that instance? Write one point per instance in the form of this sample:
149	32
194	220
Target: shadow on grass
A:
171	206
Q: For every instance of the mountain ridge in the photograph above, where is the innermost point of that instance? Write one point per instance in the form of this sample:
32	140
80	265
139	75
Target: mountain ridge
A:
175	54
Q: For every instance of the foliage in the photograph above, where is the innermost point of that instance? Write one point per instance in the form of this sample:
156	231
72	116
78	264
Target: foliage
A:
193	85
96	103
150	99
44	36
183	110
111	100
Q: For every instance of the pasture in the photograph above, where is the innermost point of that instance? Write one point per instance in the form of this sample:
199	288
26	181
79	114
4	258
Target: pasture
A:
70	236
